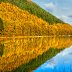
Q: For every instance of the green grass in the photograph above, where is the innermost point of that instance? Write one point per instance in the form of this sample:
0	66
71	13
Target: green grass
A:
33	64
33	8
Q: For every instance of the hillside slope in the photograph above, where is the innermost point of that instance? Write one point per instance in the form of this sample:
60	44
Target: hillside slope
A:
19	22
15	21
33	8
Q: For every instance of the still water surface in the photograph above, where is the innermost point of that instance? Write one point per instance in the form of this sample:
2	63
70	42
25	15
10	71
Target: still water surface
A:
26	54
62	62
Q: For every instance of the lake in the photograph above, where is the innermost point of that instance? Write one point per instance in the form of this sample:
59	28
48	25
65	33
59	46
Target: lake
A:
62	62
37	54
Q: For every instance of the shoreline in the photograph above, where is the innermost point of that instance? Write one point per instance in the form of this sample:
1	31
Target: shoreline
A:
35	36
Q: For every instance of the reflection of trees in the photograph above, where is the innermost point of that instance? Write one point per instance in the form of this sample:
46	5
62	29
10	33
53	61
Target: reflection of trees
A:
20	51
34	63
1	49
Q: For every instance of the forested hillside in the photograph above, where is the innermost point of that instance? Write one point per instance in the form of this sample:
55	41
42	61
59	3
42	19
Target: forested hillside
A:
29	36
33	8
14	21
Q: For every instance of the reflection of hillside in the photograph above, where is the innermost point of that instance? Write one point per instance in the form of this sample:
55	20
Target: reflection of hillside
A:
20	51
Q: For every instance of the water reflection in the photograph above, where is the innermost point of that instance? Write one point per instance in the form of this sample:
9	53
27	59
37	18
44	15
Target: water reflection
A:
28	53
62	62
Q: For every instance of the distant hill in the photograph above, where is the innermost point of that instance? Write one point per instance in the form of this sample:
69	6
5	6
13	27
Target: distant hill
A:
33	8
18	22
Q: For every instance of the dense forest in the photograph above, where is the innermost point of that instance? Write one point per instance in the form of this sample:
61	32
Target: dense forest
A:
33	8
29	35
18	22
29	52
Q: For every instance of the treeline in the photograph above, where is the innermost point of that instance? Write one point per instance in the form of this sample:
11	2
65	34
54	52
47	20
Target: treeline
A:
58	30
33	8
21	23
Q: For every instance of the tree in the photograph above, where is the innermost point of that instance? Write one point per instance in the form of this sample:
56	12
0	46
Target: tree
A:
1	25
1	49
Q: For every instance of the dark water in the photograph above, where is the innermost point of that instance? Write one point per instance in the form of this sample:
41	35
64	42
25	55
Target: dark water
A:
62	62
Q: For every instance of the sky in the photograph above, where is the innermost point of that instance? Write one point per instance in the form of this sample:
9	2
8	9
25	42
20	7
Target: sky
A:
60	8
62	62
